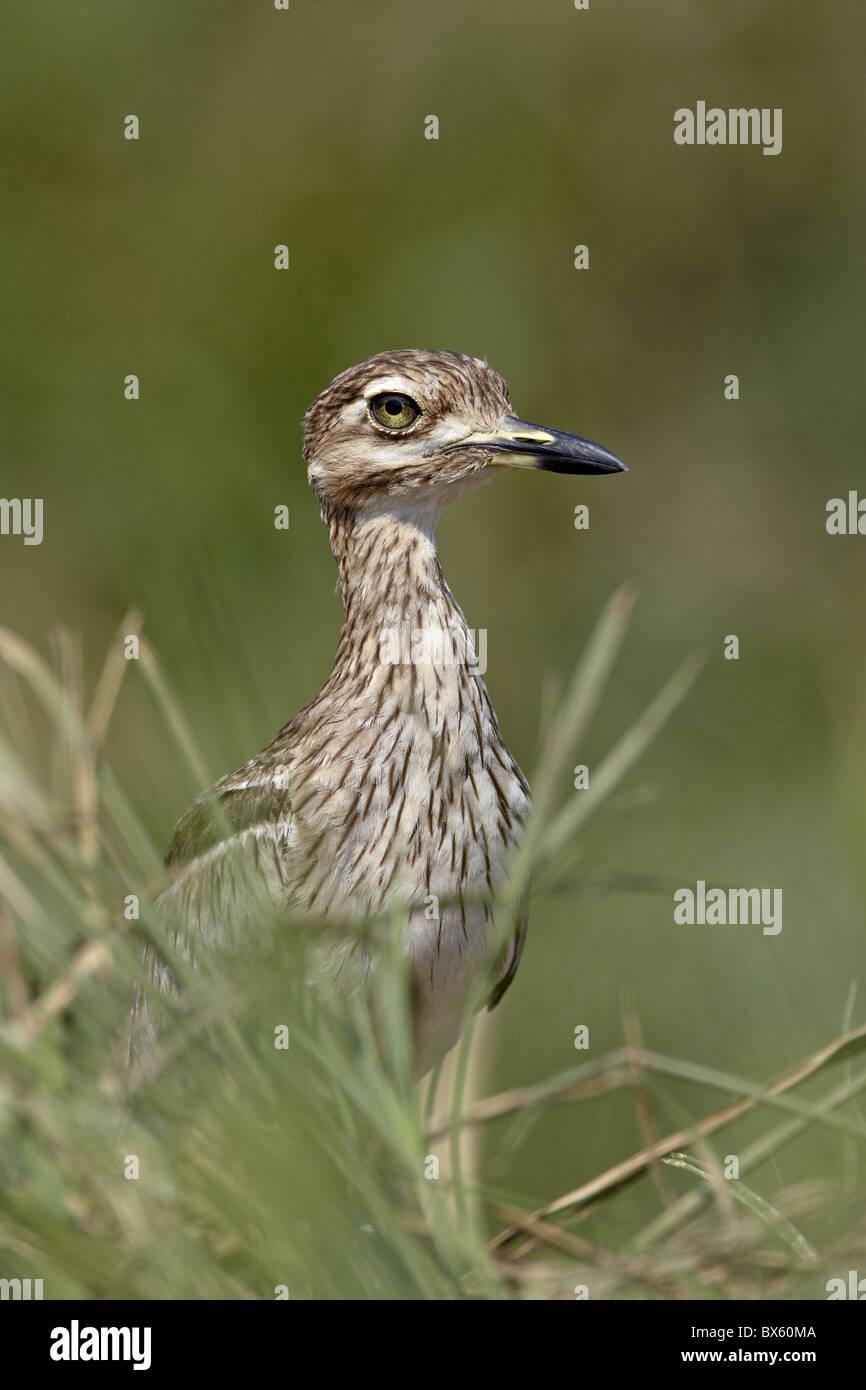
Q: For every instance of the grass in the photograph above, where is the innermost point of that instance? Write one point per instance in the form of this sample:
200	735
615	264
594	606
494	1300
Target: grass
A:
277	1145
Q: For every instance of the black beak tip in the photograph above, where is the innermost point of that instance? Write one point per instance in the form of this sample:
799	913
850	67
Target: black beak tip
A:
603	461
593	466
571	453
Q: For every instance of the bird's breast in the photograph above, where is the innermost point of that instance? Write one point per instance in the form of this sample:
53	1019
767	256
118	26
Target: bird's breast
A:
411	798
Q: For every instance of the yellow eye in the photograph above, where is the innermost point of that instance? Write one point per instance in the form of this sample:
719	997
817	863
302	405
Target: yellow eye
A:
393	411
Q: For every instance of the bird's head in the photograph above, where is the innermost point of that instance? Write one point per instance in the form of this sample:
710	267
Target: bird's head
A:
419	429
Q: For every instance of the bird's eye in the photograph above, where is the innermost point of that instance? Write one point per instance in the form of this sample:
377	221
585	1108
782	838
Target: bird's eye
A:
393	411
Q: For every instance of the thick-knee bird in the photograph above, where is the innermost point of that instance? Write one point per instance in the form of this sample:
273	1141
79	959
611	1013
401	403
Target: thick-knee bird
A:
393	789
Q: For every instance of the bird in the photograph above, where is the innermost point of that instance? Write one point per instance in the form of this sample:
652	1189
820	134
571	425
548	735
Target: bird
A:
393	790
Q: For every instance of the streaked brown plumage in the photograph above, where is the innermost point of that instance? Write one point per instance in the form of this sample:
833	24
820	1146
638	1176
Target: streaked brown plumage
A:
394	785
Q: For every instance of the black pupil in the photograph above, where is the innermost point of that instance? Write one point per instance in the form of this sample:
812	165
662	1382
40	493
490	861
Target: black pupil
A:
394	407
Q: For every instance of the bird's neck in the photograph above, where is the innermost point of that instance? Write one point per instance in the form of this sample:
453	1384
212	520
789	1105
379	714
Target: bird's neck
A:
396	599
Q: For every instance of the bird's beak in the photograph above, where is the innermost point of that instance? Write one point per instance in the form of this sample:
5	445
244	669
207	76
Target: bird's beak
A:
520	444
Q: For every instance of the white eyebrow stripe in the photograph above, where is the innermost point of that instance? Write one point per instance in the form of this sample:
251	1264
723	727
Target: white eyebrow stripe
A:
389	383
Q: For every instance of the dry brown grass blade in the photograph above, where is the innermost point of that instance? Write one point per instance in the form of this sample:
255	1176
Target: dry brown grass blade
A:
14	984
641	1270
631	1168
85	781
111	678
81	738
611	1073
173	713
92	958
643	1100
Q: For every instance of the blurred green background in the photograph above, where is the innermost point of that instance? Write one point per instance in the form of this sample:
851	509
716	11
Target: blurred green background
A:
306	127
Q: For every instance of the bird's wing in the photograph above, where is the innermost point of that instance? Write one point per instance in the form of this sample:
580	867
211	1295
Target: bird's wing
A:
515	951
232	841
245	801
